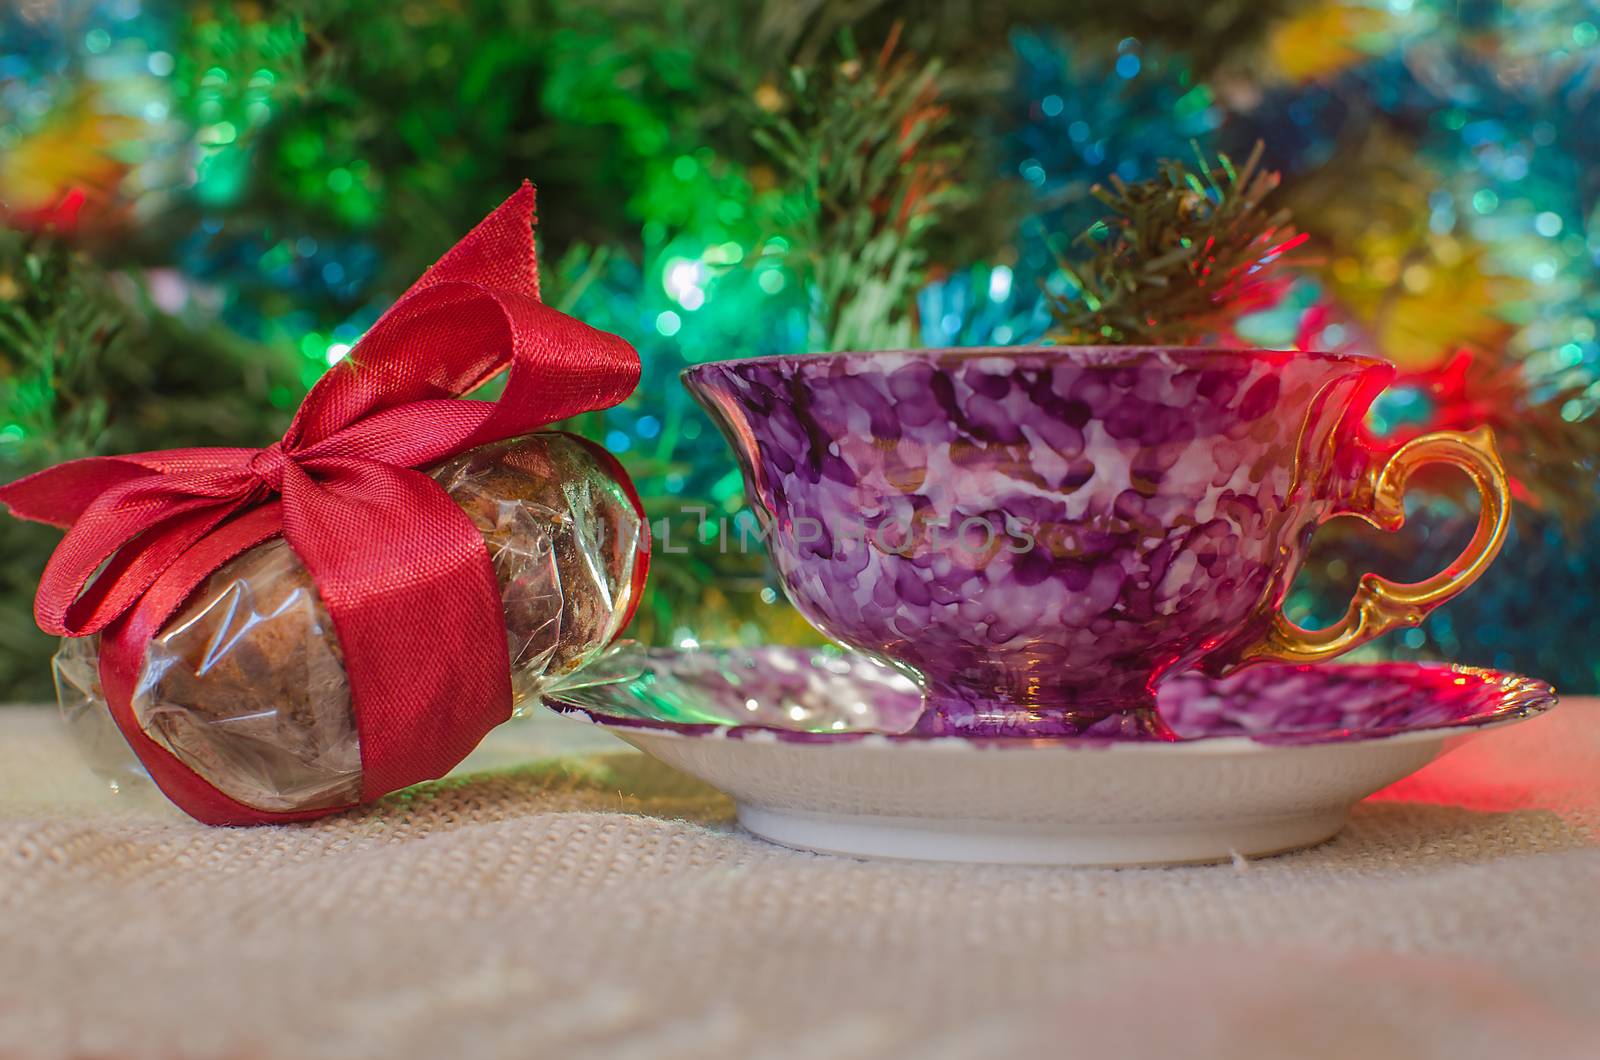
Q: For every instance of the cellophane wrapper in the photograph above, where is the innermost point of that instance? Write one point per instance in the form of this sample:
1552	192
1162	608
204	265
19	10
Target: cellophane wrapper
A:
246	683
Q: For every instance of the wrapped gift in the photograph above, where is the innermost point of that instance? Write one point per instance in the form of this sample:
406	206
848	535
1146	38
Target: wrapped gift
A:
285	632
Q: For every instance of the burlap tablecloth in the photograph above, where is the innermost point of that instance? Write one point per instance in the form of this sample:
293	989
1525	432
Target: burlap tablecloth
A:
565	896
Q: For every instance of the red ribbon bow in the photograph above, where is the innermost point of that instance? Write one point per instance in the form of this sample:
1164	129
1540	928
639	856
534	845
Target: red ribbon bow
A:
405	576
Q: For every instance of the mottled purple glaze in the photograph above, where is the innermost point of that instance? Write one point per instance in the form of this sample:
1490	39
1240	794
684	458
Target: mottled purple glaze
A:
1042	534
823	696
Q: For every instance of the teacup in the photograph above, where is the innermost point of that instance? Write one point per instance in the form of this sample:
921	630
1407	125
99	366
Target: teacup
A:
1042	534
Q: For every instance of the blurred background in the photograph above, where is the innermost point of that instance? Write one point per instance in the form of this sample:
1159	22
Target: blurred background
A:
203	206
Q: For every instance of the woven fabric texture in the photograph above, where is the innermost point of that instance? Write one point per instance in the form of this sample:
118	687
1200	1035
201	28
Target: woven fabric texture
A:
563	895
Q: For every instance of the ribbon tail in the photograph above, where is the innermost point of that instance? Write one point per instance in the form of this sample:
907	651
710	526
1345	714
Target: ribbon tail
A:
497	253
59	495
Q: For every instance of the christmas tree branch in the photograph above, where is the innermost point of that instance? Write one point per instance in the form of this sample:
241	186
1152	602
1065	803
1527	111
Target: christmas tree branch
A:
58	327
868	175
1178	258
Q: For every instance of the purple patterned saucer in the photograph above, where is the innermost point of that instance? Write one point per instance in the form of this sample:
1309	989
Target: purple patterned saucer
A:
819	750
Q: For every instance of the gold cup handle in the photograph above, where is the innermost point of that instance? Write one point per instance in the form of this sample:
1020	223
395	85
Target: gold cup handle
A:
1380	604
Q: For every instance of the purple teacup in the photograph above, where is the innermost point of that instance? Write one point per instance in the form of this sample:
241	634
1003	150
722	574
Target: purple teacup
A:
1042	534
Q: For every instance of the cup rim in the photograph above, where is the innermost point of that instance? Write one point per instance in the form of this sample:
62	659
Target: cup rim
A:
1092	355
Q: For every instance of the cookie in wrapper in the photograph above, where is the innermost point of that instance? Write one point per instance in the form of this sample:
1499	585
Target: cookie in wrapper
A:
246	684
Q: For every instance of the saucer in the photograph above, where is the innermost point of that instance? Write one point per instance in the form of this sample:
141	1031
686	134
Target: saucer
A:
816	750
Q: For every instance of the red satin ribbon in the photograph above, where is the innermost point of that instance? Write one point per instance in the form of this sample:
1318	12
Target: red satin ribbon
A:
405	576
